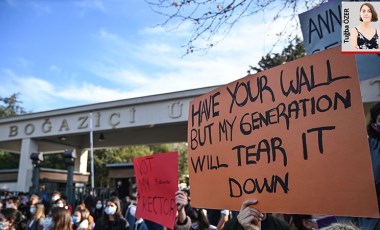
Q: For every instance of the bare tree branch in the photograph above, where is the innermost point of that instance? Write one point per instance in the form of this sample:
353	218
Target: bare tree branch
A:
212	20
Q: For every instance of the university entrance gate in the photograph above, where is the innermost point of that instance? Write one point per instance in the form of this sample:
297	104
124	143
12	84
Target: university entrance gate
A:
144	120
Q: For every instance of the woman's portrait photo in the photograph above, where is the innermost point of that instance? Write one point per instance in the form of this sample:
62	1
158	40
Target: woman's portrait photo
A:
365	36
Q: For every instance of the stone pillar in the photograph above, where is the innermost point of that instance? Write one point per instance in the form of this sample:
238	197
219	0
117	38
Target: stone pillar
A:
25	168
70	156
81	161
36	161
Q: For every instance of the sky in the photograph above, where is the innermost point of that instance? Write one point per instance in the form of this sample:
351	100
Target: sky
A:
66	53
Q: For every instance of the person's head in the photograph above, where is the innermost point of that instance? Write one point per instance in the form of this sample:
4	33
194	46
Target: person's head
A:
55	196
368	13
133	198
60	203
12	202
37	210
23	198
304	222
98	204
340	226
373	127
8	217
61	218
77	217
33	199
198	218
113	207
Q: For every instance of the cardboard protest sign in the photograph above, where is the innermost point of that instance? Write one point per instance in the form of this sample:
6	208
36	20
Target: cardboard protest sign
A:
157	182
293	137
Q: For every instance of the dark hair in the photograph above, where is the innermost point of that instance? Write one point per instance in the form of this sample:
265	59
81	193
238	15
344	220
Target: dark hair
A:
298	221
374	111
197	214
10	214
373	12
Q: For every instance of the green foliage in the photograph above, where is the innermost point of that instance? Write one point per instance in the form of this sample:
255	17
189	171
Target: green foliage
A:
9	160
54	161
11	106
293	51
102	157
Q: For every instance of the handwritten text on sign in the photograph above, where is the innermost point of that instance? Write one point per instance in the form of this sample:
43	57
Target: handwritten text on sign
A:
292	137
157	182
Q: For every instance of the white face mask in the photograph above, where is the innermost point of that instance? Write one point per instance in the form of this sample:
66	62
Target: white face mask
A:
60	205
8	205
132	210
54	198
110	210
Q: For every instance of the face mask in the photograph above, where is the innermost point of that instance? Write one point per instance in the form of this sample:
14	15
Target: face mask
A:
60	205
74	219
3	225
8	205
99	206
32	210
110	210
54	198
132	210
48	223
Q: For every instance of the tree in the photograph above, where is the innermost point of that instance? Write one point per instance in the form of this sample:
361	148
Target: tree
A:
102	157
209	18
11	106
9	160
293	51
54	161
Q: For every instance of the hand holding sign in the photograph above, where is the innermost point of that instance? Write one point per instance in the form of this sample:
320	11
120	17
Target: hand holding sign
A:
157	181
286	135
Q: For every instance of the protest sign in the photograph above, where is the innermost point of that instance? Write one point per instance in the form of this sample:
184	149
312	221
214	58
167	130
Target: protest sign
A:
322	29
157	182
293	137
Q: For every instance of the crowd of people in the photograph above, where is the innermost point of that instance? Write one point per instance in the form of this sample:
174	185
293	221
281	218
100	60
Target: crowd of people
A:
25	212
31	212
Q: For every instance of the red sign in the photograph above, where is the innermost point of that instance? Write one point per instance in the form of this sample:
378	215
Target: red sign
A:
157	182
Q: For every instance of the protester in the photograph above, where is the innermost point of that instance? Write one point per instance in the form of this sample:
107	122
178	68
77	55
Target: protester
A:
37	219
373	129
13	202
80	219
340	226
112	218
98	211
195	219
134	222
218	217
61	219
33	199
253	219
8	218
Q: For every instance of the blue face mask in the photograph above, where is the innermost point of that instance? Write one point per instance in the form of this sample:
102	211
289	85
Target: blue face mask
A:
32	210
99	206
74	219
